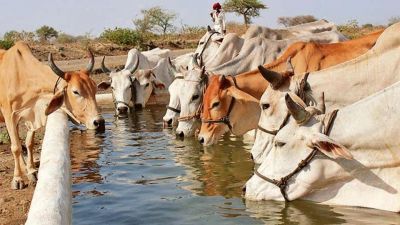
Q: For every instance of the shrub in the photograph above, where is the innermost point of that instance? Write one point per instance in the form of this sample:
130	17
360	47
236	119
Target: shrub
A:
6	44
4	137
64	38
350	29
19	36
122	36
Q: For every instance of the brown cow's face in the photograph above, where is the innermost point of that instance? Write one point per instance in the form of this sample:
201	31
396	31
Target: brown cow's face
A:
80	99
217	100
216	104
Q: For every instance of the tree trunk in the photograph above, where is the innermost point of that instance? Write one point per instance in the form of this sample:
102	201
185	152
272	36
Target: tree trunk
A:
246	20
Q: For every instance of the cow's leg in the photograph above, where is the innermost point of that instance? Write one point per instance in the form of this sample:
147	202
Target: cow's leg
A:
16	149
30	166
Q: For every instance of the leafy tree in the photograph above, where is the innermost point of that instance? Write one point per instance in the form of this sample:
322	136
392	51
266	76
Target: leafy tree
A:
394	20
45	33
296	20
155	19
245	8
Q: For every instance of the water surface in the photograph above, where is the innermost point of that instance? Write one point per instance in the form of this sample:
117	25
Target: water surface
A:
138	173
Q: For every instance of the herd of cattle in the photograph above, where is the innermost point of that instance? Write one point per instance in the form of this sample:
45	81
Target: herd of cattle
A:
323	109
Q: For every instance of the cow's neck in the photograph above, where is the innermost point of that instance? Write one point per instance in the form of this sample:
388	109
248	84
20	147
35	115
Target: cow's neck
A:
369	129
349	82
252	83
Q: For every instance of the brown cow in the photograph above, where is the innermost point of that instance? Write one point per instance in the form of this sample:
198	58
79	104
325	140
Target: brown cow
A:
31	90
243	116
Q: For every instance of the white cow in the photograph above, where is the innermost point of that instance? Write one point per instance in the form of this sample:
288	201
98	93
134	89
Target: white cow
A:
354	80
259	51
289	32
159	77
123	82
174	108
360	160
190	95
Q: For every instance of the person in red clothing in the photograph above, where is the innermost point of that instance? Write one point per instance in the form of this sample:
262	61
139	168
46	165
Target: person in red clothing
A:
218	17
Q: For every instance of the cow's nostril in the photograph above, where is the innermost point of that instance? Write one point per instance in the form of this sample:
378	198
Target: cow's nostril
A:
122	110
201	140
99	124
252	157
244	189
180	134
169	122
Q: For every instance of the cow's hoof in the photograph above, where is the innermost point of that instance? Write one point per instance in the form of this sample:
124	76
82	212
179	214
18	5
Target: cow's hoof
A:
33	177
17	183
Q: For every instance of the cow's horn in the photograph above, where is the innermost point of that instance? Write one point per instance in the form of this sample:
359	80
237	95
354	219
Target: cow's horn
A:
174	70
299	113
274	78
195	63
103	66
90	66
321	104
289	65
134	68
55	68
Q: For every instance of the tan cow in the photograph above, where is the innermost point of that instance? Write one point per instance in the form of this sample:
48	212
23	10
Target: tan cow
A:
302	57
30	91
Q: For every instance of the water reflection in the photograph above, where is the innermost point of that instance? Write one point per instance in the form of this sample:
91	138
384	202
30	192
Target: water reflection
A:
85	152
138	173
220	170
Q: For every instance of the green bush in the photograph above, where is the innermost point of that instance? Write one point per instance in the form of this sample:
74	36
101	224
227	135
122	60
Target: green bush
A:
122	36
6	44
4	137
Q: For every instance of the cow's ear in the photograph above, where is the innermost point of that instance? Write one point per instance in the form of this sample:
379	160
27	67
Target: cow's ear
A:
55	103
330	147
104	85
224	82
241	95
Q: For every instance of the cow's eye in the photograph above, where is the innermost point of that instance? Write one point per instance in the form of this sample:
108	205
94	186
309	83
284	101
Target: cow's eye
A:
75	92
215	104
279	144
265	106
147	85
112	88
201	42
195	97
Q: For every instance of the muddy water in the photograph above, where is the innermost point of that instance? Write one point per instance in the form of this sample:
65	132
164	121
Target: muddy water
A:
138	173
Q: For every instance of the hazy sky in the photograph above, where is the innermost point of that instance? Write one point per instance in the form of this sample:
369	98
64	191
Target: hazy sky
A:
81	16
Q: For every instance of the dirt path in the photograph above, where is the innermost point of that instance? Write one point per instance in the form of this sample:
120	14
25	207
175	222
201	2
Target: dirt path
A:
14	205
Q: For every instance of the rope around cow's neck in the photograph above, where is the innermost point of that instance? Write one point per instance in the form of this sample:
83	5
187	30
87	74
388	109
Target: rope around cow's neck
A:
282	183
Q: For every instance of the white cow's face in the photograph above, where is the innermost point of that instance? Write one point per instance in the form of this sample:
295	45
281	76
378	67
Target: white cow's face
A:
273	115
292	144
147	81
190	97
121	85
171	117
